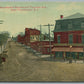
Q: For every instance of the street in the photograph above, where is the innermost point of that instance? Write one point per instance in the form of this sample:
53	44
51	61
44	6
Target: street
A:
22	65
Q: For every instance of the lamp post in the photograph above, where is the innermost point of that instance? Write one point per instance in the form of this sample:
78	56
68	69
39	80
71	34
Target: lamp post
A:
70	61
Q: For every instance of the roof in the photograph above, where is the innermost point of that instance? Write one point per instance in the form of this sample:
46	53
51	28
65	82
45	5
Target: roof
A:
76	15
32	29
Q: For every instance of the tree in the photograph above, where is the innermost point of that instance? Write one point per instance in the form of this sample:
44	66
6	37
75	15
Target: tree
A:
3	39
21	33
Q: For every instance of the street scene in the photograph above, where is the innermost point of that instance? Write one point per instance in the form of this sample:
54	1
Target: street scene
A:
22	65
41	41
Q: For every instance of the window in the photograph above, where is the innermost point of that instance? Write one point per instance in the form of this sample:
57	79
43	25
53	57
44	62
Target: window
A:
31	37
58	26
36	37
59	54
82	38
70	26
58	38
82	25
48	49
77	38
70	38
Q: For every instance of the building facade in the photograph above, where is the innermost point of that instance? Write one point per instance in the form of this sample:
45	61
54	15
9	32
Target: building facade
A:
31	35
69	36
42	46
32	39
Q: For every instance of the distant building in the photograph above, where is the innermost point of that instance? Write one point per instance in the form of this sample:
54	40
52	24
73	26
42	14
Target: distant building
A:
32	39
21	39
31	35
69	36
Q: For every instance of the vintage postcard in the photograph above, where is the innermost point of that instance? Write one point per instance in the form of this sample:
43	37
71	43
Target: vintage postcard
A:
41	41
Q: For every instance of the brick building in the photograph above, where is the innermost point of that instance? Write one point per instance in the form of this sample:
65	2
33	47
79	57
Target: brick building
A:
31	35
20	39
32	39
42	46
69	36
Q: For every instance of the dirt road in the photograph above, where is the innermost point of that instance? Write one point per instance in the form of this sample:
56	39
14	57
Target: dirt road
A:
22	65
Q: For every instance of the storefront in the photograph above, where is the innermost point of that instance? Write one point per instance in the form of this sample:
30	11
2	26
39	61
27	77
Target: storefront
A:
66	52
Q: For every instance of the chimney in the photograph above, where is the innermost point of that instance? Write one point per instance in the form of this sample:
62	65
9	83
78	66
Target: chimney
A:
61	16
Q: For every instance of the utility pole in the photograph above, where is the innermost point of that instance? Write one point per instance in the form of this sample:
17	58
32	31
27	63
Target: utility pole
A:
49	36
40	37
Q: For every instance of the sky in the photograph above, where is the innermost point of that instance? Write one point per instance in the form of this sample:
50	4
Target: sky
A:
43	0
32	14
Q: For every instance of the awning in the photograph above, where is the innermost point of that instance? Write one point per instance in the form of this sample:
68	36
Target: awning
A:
63	49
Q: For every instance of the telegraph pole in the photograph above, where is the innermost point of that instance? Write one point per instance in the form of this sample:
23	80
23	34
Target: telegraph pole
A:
49	36
40	37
